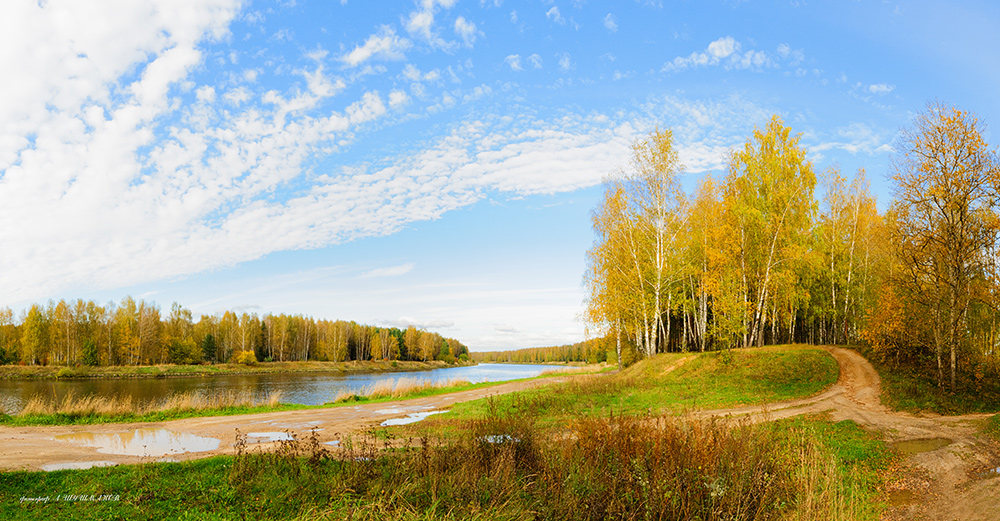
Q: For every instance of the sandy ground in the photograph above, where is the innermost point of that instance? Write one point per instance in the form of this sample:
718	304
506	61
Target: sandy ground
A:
947	483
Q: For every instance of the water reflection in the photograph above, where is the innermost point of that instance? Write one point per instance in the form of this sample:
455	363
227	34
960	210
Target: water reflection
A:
142	442
411	418
300	388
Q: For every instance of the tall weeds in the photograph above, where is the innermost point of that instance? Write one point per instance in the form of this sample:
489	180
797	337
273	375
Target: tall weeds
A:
505	466
112	406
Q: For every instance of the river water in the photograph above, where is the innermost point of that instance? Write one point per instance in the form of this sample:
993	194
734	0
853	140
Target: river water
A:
302	388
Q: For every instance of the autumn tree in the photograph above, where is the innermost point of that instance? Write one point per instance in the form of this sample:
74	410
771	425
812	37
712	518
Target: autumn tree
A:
633	271
769	204
945	179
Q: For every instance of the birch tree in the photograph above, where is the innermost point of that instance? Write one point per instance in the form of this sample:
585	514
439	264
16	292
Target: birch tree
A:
769	201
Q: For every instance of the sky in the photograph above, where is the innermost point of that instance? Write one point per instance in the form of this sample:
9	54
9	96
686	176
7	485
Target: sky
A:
428	162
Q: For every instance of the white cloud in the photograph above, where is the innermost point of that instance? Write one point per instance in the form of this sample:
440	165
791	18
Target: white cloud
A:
565	61
391	271
610	23
477	93
514	61
881	88
425	324
398	98
554	15
205	94
726	52
384	45
535	61
466	30
794	56
723	48
855	138
421	22
140	180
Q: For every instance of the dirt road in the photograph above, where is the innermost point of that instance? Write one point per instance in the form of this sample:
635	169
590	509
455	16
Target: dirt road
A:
949	482
945	483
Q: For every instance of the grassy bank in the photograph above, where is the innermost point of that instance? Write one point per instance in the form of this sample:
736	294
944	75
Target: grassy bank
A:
171	370
672	383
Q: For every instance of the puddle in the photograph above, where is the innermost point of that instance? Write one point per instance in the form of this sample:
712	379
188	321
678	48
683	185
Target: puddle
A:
267	437
335	443
80	465
500	438
898	498
411	418
922	445
142	442
986	474
393	410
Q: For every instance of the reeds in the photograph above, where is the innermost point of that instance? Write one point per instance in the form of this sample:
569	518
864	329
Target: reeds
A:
94	405
398	388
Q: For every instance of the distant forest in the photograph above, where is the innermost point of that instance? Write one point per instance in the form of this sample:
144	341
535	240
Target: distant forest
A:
593	351
135	333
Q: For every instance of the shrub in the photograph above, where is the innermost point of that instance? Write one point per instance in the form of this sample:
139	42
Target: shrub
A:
245	357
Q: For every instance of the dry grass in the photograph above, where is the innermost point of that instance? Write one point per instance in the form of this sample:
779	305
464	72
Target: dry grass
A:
505	466
396	388
90	405
571	370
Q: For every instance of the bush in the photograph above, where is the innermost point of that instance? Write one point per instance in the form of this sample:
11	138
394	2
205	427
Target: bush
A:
245	357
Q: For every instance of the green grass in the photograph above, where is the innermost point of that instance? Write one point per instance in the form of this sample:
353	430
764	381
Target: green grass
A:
905	389
992	427
704	381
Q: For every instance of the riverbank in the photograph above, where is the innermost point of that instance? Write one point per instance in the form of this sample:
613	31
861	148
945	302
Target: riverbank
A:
54	372
501	458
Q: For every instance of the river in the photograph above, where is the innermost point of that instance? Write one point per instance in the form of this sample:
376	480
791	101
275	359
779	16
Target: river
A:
301	388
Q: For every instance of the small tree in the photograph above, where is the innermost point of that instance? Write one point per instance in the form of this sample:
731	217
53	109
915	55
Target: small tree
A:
208	348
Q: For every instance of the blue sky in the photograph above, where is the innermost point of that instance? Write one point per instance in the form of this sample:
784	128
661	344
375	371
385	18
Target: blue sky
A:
430	162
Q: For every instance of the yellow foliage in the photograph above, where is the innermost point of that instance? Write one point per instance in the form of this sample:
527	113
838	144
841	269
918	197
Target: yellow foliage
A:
887	333
245	357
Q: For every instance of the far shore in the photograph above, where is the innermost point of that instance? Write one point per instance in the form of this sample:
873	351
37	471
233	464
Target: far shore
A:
54	372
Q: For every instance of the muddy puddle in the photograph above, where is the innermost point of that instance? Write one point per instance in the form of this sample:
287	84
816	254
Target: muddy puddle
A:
988	473
898	498
411	418
142	442
909	447
267	437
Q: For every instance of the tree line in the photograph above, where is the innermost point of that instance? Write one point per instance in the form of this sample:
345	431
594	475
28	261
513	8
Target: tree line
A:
136	333
594	351
756	258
